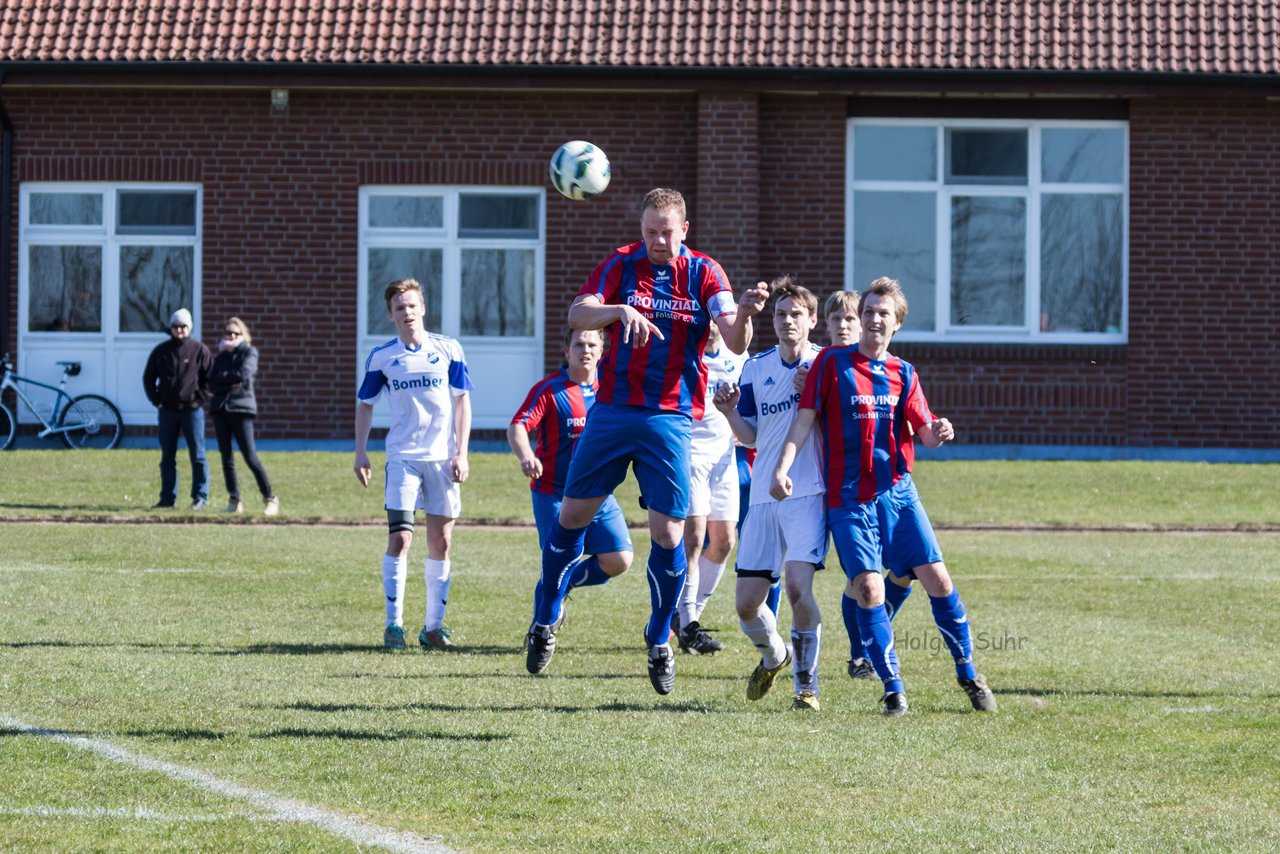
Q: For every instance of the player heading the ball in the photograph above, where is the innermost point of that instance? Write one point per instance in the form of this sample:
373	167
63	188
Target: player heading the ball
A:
658	298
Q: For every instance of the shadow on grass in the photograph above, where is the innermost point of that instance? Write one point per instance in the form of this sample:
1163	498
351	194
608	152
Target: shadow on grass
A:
204	649
209	735
1153	695
682	706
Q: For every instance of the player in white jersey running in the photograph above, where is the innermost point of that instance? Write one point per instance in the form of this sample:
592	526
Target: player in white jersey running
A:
424	377
714	500
790	534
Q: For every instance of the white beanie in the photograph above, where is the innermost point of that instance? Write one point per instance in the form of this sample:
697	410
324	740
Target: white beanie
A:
181	317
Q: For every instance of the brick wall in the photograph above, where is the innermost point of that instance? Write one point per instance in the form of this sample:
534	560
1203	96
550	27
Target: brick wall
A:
764	175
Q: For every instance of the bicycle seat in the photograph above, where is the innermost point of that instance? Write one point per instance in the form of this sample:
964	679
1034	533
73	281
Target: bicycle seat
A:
71	369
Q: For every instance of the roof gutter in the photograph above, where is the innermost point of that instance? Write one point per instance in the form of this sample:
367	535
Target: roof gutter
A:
6	219
598	76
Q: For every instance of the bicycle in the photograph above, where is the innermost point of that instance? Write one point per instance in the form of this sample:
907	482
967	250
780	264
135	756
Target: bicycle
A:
83	421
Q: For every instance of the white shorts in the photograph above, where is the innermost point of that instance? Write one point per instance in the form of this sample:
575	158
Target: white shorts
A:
713	488
423	484
778	532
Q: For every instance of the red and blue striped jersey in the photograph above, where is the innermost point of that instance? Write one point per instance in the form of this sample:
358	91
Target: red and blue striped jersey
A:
557	408
680	298
866	410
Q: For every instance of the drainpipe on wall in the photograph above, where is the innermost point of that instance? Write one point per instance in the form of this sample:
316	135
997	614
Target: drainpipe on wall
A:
6	221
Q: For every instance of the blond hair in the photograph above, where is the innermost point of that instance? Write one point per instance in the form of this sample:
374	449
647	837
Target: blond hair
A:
886	287
846	301
244	329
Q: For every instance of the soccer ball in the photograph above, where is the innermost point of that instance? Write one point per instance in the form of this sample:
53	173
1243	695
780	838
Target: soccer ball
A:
579	170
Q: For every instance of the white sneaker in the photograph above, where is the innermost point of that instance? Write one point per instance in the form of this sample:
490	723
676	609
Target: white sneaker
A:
235	505
272	508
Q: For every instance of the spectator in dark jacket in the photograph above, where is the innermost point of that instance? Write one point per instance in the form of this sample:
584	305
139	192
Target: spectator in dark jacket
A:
176	380
234	407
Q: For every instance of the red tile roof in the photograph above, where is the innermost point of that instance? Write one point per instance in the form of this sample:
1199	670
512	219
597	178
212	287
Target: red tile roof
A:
1176	36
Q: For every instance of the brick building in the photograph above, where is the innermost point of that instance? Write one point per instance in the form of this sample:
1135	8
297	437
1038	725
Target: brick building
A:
1080	197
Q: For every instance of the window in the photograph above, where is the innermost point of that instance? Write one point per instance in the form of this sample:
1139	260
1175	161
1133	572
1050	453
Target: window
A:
997	230
107	259
478	253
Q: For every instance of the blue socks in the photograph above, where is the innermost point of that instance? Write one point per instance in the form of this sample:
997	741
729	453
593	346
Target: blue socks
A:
562	553
877	643
894	596
849	611
588	574
953	622
774	597
666	580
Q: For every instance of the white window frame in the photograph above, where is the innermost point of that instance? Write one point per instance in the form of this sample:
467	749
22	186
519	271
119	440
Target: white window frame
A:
104	236
1031	192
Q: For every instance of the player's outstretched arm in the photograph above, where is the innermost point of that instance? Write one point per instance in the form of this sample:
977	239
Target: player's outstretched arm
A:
587	312
737	330
462	436
518	439
726	400
364	423
937	432
800	427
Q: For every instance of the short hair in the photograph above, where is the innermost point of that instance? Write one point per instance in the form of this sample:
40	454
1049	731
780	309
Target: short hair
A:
786	287
568	336
400	286
664	199
886	287
244	329
846	301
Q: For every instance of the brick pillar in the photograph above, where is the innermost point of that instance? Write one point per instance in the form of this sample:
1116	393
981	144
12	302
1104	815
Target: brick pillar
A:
726	208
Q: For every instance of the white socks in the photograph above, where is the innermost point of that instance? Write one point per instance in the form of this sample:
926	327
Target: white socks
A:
709	574
436	575
762	630
394	572
804	672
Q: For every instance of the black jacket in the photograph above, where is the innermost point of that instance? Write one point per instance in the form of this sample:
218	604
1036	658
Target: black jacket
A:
177	374
231	381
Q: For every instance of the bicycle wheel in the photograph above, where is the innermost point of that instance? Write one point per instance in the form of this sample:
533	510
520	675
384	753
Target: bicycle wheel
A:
8	428
94	421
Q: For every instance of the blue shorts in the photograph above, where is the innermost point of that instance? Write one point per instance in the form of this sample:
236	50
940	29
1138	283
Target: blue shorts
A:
892	531
606	533
615	436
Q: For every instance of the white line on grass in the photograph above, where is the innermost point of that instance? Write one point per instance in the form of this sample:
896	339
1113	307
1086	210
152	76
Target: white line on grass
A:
281	809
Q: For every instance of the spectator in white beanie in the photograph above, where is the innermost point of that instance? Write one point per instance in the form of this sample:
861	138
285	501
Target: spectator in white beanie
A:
176	380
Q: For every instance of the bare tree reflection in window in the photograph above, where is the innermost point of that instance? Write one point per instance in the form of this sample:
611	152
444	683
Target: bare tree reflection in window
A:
1081	287
65	289
497	292
988	261
154	281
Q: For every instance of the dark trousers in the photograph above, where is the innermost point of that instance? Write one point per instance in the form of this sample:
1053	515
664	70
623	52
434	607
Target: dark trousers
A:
189	424
228	425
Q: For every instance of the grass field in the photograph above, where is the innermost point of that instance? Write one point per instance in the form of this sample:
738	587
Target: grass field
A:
219	686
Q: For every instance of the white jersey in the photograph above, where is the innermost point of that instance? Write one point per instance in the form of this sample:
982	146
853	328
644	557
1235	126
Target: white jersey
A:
712	436
420	384
768	404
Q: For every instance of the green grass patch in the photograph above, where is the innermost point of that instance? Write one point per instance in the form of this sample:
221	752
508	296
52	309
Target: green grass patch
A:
1135	672
320	486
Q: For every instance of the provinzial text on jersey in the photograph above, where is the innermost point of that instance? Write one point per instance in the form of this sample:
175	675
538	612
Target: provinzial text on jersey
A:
664	305
874	399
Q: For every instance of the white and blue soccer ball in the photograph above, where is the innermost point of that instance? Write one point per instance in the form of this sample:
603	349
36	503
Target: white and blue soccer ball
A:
580	170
